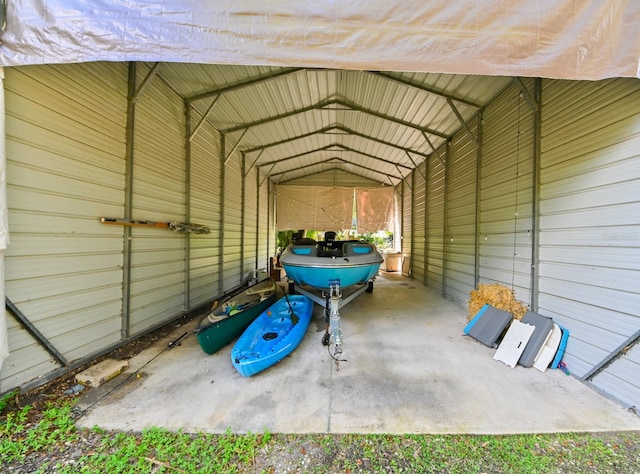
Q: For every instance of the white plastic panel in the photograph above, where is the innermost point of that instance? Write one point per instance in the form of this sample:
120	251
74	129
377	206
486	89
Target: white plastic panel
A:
514	343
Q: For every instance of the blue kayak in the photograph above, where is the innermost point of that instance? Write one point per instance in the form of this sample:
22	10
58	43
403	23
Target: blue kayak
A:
273	335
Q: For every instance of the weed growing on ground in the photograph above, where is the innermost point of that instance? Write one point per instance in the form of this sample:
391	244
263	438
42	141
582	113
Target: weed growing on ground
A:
49	442
7	398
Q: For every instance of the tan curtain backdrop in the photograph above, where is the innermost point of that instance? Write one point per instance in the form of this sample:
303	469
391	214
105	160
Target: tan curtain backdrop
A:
313	207
374	209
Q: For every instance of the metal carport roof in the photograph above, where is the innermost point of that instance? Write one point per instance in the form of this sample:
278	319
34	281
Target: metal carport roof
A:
293	122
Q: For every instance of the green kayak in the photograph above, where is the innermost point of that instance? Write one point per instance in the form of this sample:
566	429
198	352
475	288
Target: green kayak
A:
228	322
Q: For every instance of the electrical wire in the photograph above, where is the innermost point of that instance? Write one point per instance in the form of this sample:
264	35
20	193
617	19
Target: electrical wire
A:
515	213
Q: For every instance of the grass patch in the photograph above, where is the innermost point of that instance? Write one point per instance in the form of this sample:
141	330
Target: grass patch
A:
49	441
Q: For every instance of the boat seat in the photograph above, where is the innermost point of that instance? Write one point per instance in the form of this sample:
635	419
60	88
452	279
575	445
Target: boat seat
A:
350	249
330	249
262	288
310	250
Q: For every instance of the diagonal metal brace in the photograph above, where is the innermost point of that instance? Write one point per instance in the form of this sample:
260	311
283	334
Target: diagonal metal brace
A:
526	94
31	329
464	124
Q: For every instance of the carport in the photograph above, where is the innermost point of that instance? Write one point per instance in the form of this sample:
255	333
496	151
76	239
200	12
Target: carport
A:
506	134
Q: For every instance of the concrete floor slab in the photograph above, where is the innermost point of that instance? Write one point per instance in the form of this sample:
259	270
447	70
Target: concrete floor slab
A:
408	369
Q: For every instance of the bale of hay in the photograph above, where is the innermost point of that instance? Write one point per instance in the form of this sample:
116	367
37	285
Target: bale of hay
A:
498	296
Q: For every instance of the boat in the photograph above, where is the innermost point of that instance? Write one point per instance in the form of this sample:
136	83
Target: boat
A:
228	322
273	335
320	264
326	267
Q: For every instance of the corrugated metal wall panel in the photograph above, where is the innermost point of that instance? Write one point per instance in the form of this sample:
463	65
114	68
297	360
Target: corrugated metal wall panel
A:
590	177
65	130
435	219
397	233
460	235
273	243
158	256
204	268
506	193
27	360
233	265
419	223
249	250
407	225
266	235
615	379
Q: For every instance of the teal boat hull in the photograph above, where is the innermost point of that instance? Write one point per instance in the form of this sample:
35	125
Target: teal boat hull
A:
322	264
213	336
322	277
273	335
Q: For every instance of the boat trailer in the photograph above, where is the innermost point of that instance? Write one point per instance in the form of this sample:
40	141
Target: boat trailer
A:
331	301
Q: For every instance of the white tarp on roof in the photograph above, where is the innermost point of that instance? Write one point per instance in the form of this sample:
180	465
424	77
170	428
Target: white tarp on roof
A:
568	39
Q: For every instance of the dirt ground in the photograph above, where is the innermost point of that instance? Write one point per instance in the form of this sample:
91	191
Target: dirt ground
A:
61	387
